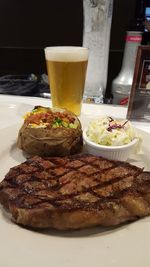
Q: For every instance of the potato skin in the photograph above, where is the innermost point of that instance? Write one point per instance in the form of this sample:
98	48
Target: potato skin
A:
50	142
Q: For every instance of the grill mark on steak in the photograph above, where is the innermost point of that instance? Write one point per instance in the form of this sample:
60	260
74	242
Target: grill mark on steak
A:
49	183
77	183
92	190
112	196
33	177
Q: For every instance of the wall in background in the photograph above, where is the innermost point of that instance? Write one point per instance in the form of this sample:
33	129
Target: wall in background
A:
27	26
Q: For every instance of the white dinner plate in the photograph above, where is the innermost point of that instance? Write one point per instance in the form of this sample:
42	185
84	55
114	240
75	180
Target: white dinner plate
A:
124	246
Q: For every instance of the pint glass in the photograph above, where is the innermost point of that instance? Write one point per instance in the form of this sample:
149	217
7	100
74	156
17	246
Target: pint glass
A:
66	67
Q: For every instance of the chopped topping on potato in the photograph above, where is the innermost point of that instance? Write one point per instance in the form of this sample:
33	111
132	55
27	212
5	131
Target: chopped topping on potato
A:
46	118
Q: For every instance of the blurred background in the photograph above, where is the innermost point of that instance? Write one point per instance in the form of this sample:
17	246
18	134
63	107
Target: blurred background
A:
26	27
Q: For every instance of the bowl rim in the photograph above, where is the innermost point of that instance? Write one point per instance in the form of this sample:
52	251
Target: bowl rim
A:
95	145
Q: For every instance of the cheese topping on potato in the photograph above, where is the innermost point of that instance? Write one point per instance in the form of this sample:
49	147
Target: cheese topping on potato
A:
42	117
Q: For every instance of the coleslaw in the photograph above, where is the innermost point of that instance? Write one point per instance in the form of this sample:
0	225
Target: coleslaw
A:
111	132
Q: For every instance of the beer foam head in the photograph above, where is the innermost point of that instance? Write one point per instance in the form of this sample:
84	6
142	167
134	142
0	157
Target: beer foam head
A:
66	53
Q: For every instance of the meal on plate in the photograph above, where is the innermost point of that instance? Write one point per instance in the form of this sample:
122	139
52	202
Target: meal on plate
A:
111	132
50	132
75	192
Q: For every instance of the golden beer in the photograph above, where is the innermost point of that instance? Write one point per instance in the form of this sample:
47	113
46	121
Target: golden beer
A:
66	67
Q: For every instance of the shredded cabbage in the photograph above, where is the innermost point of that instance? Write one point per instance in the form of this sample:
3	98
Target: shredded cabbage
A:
111	132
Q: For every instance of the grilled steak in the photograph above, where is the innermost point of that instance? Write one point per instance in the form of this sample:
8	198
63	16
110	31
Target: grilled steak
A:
75	192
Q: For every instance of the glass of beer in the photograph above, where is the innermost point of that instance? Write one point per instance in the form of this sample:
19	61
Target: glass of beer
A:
66	67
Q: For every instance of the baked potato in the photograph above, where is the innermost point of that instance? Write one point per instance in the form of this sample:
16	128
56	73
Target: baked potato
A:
50	132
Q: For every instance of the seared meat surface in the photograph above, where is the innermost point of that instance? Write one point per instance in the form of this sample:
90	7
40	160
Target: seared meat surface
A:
75	192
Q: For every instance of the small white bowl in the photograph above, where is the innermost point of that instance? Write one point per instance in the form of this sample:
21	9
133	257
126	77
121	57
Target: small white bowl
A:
120	153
